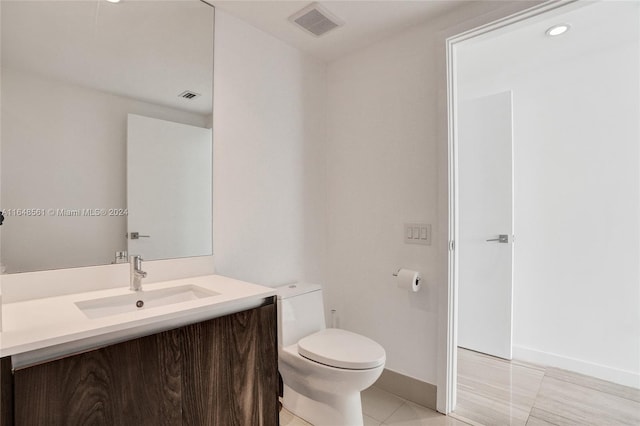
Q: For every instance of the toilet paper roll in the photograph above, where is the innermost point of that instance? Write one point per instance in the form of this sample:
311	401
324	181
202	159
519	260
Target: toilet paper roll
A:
409	280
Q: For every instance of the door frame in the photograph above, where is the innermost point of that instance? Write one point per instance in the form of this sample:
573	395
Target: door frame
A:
447	383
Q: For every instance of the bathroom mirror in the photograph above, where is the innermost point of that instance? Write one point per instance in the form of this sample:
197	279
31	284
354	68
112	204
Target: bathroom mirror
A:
73	73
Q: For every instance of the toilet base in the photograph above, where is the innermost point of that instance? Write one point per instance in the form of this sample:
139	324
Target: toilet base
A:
326	409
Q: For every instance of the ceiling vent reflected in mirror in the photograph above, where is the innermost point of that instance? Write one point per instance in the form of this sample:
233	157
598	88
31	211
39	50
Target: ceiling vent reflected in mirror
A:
316	20
187	94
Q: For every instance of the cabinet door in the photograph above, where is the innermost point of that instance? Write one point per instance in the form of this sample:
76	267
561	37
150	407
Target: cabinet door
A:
230	370
6	392
131	383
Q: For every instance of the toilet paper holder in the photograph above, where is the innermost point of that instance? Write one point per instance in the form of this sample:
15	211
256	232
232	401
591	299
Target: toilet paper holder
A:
395	274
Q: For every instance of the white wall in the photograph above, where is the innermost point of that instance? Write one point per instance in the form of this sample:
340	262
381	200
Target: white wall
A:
56	154
386	165
381	173
577	203
269	126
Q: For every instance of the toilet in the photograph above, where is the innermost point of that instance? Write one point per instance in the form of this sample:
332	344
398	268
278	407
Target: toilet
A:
323	369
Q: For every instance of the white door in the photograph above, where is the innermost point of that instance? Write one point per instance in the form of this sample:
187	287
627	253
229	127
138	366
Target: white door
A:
485	224
168	189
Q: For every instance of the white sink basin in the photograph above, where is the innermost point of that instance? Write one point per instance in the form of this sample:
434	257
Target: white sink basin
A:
140	300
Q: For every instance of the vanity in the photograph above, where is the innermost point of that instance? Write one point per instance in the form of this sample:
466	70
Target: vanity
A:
203	351
119	163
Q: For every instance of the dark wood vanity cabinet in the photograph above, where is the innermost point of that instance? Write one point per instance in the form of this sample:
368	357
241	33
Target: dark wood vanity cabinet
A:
219	372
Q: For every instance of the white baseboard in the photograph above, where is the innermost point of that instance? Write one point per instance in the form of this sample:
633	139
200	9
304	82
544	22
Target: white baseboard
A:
622	377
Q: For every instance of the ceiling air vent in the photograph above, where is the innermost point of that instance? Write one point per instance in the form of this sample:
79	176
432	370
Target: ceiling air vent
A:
316	20
187	94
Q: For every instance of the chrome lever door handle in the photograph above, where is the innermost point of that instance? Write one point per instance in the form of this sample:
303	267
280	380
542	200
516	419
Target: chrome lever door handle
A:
502	238
136	235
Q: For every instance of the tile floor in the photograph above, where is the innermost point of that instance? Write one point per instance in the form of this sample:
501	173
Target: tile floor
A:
493	391
383	408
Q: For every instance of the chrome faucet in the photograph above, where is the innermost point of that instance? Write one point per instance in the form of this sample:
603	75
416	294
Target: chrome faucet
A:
137	274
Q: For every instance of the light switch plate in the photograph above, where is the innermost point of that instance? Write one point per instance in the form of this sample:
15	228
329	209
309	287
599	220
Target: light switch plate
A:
417	233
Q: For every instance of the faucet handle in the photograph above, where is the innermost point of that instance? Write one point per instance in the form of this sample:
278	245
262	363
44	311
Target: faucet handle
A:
136	261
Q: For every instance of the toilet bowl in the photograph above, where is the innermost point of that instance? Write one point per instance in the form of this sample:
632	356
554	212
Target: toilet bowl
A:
323	369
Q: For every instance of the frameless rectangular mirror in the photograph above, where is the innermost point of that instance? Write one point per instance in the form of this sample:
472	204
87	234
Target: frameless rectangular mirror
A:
75	77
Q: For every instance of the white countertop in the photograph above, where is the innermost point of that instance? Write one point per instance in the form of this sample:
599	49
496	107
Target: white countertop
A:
41	329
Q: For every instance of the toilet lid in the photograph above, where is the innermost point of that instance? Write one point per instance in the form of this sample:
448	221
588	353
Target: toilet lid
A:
342	349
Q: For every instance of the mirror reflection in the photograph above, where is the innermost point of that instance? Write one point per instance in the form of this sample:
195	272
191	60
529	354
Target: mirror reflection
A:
105	127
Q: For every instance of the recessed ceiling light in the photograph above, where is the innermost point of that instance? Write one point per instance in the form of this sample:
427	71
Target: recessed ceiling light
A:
556	30
113	1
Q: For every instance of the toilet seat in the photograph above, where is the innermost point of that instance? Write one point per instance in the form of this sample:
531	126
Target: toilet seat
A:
342	349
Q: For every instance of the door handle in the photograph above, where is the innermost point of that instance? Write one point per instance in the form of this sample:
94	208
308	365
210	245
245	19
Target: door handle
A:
502	238
136	235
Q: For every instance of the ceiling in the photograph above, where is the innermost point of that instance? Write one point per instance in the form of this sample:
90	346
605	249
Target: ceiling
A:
153	50
366	22
524	47
146	50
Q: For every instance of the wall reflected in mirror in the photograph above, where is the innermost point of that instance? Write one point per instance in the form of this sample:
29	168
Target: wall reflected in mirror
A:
72	74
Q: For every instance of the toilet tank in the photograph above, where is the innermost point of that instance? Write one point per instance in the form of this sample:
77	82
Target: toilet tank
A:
300	312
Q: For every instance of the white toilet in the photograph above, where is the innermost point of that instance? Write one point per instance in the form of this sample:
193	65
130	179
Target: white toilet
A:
323	369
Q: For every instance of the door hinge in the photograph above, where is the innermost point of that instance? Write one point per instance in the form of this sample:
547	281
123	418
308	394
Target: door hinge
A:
452	245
